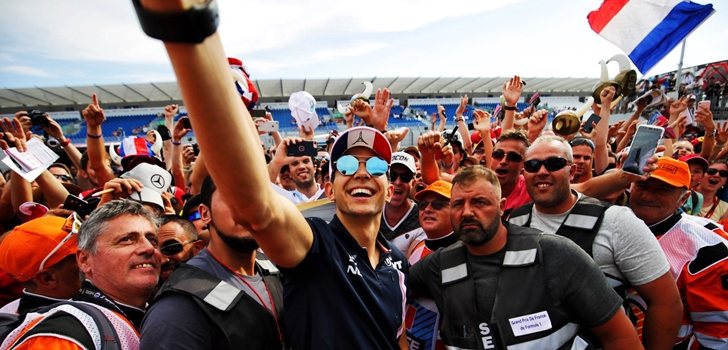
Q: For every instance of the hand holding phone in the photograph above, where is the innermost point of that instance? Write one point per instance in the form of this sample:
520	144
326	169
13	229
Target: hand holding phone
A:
268	126
643	147
593	119
704	105
300	149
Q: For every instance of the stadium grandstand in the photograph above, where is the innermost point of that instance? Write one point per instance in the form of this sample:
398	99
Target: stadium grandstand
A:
132	109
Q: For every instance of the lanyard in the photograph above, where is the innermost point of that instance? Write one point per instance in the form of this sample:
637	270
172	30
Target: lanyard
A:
241	278
712	209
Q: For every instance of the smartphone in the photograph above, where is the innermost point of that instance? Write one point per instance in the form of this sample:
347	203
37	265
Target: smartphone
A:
305	148
704	105
594	118
688	117
643	146
257	113
196	149
185	122
268	126
78	205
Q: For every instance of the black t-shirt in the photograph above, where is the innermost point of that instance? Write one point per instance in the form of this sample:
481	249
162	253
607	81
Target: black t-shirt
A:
335	300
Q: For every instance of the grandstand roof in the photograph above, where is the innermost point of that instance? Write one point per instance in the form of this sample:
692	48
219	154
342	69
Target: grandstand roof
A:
278	90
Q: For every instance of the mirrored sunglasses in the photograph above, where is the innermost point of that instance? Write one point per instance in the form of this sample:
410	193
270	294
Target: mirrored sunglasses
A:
348	165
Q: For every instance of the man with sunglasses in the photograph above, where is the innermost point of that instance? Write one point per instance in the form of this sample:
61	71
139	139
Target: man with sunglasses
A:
697	255
41	254
619	242
508	286
507	162
399	218
583	151
179	242
434	217
227	293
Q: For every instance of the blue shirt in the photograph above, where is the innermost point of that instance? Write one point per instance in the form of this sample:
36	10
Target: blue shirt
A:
335	300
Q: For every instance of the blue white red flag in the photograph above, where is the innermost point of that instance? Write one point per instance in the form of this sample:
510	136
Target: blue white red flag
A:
647	30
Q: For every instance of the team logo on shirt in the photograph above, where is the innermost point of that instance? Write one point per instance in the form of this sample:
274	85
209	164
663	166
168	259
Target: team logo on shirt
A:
395	264
352	268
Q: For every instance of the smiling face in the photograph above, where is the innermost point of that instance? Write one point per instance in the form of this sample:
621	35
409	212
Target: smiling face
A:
402	189
713	182
359	194
550	190
654	200
302	171
507	170
126	263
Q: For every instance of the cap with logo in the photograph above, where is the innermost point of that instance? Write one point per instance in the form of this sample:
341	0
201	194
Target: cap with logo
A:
155	180
672	171
404	159
361	136
439	187
303	109
23	250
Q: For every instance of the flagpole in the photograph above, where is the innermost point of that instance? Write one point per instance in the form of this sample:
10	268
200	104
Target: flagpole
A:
678	76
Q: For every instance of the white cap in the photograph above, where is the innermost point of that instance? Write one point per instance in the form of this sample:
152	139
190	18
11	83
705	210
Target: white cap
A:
405	159
154	179
303	109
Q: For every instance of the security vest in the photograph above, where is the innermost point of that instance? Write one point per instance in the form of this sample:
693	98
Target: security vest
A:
242	320
516	299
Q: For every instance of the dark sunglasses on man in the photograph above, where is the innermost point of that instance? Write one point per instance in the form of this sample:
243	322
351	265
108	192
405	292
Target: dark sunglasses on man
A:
510	156
436	204
552	164
173	246
406	176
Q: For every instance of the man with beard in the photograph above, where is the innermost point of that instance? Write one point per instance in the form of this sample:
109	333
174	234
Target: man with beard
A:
507	162
227	296
399	218
513	286
620	244
179	242
303	174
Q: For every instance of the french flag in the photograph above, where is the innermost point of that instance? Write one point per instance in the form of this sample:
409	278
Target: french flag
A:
647	30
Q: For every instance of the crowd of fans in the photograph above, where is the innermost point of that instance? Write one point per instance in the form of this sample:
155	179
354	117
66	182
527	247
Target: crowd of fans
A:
519	234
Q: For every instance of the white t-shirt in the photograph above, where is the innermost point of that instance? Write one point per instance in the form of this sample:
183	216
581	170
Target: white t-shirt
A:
624	246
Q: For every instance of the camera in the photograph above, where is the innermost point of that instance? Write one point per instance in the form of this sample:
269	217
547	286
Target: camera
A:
38	118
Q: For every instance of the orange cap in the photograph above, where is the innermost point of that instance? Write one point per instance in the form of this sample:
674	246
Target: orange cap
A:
23	249
440	187
672	171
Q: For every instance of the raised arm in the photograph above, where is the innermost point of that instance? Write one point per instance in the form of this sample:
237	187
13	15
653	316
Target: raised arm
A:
218	115
601	152
511	93
94	116
462	127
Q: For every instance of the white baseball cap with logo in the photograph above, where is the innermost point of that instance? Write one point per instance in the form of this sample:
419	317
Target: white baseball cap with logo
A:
303	109
155	180
405	159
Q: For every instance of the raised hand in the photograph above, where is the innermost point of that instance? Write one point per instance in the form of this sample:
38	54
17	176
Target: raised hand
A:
362	109
118	188
677	106
179	130
188	155
93	114
306	134
397	135
512	90
380	113
15	134
349	117
24	119
721	137
170	111
461	108
607	96
54	129
481	120
705	118
537	122
430	144
615	128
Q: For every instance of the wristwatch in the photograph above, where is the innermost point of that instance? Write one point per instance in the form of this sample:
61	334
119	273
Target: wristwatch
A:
190	26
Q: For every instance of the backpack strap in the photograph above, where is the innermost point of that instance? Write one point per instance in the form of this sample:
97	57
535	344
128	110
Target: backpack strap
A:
583	222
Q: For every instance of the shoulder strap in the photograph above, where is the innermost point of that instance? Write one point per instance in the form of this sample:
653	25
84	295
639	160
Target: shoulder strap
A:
583	222
196	282
108	335
521	216
454	264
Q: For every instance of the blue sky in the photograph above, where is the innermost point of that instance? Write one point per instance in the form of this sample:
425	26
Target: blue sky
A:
84	42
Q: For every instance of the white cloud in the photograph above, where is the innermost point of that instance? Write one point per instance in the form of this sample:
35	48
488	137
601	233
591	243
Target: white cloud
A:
25	70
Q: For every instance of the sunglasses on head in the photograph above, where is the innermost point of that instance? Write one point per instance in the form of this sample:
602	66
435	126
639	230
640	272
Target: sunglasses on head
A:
406	176
348	165
173	246
580	141
551	164
72	226
437	204
194	216
510	156
713	171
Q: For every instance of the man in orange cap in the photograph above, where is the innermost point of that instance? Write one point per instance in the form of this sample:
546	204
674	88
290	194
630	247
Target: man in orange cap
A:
41	254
